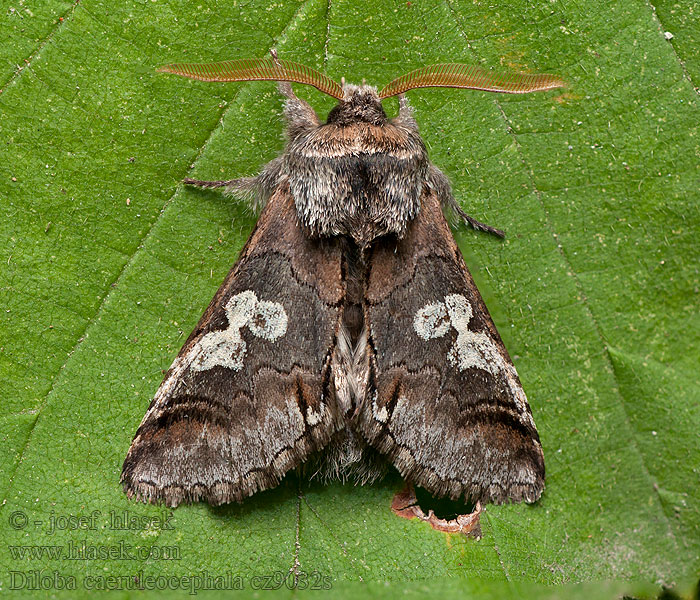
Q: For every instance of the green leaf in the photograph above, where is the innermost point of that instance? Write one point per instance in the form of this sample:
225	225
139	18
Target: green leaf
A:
108	262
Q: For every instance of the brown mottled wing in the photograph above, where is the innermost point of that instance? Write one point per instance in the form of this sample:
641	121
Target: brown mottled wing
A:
444	401
249	395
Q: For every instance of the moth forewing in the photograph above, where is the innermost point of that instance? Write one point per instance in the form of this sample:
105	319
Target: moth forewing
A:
349	334
447	406
245	401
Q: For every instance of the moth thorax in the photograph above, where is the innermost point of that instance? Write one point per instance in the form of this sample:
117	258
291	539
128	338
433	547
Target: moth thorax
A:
358	175
360	104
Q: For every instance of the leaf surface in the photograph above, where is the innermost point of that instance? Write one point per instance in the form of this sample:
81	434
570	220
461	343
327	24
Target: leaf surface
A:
108	262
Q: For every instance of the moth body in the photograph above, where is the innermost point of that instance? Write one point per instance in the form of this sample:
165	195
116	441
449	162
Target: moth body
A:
349	335
355	178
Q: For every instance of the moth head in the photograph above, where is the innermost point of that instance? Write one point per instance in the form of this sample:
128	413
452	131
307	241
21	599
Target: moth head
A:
363	102
360	103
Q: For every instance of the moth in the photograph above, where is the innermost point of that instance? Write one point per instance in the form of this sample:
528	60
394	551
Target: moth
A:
349	335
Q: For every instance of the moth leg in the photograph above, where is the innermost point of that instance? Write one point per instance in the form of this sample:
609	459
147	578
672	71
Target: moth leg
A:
438	181
299	115
213	184
256	191
478	225
405	116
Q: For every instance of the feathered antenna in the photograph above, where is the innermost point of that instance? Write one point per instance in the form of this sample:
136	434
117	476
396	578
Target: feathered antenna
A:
257	69
471	77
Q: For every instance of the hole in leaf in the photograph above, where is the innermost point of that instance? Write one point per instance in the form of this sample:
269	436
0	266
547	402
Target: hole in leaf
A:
441	514
444	508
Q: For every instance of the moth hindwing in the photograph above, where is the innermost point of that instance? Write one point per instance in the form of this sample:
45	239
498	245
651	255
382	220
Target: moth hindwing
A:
349	334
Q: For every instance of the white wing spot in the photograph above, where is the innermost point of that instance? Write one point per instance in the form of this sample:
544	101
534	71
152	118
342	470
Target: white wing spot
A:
314	417
381	415
470	349
269	321
431	321
226	348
